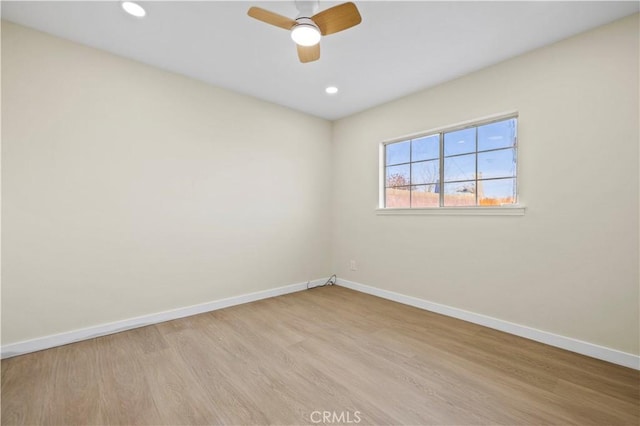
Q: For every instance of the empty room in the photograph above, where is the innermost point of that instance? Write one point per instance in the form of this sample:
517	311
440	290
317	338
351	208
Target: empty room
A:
302	212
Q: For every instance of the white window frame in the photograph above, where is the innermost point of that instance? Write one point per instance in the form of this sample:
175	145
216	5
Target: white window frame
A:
502	210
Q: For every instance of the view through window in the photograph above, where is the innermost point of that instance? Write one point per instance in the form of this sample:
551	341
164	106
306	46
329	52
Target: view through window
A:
470	166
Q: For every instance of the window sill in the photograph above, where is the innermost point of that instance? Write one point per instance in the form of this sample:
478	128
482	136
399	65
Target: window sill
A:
455	211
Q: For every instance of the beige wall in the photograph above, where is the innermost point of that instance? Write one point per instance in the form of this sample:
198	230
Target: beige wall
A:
570	265
128	190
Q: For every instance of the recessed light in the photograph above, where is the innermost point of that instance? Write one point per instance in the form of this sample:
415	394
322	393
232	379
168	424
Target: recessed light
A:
332	90
133	9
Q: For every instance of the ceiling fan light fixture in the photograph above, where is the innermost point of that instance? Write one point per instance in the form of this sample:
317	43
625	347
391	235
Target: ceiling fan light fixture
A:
306	33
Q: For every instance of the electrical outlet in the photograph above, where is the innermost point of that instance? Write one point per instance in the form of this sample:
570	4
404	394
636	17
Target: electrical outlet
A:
352	265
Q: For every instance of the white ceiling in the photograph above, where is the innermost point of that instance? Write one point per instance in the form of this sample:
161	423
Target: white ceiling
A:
399	48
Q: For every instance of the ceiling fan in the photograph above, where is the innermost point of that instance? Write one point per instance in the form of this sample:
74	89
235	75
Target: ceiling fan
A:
308	28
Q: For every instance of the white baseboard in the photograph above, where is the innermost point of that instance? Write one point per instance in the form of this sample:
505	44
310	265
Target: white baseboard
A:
573	345
570	344
46	342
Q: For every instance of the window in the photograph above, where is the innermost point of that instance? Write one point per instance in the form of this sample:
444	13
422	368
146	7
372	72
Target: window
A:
459	167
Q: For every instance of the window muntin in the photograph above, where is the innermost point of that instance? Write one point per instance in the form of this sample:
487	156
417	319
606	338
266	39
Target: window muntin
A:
471	166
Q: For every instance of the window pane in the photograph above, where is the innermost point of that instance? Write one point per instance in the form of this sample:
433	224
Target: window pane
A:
460	168
426	148
460	194
494	164
496	192
497	135
397	175
425	196
460	142
398	152
397	197
425	172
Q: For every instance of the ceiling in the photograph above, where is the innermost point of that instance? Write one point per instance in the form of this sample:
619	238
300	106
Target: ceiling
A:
399	48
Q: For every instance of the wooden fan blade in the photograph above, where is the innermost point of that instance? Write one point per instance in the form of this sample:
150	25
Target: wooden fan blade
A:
337	18
271	18
308	53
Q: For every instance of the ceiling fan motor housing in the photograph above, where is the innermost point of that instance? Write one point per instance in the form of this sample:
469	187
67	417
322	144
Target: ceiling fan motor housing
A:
307	8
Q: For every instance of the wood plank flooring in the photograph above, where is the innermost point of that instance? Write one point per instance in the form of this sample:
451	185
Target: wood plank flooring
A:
289	359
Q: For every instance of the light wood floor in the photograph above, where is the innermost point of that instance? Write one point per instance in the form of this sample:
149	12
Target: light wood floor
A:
277	361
